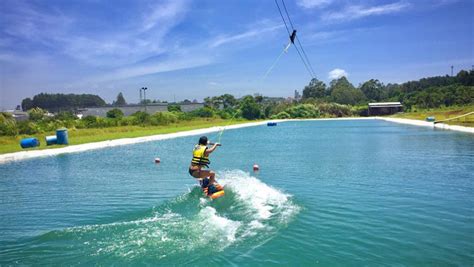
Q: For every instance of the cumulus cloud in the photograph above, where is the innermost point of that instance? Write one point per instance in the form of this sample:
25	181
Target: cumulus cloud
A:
337	73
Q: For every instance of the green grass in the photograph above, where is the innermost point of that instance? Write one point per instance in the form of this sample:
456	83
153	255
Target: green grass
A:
10	144
442	114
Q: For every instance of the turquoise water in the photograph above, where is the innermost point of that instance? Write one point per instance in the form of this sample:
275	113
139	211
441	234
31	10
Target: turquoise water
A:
328	193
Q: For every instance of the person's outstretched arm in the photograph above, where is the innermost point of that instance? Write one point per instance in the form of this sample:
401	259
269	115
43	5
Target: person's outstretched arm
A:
213	147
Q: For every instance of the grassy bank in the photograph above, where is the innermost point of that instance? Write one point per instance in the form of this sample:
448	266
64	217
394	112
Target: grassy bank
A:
443	114
81	136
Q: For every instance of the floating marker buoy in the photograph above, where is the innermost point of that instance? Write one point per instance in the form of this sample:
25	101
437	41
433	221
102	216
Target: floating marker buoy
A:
255	167
157	160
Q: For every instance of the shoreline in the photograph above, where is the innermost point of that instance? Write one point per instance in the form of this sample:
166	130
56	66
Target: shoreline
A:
441	126
29	154
23	155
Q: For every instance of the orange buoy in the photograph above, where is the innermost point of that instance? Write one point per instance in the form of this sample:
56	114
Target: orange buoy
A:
256	167
157	160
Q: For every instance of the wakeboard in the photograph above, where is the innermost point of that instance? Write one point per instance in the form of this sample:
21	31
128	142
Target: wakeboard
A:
212	191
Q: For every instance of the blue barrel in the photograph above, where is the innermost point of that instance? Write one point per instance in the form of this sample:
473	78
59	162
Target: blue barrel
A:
62	138
51	140
271	124
29	142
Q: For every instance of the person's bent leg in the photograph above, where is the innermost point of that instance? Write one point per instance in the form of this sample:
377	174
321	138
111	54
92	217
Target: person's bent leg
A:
212	177
205	174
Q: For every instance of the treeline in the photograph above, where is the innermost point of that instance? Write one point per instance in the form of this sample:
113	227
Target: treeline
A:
62	102
430	92
339	99
220	107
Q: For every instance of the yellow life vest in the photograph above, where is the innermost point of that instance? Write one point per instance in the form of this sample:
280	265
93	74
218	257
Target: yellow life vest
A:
199	157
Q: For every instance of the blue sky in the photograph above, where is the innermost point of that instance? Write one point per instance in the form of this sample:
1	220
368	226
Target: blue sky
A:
192	49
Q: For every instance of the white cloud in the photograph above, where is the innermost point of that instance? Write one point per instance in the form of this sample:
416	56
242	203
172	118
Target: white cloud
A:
224	39
337	73
164	16
357	11
444	2
132	41
308	4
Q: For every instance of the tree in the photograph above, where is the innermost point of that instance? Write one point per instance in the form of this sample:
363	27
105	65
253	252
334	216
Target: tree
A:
228	101
250	109
315	89
211	102
466	78
26	104
258	98
115	113
58	102
297	95
217	102
343	92
373	90
120	100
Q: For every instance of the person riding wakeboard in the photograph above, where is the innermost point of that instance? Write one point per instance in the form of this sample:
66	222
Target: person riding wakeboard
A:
201	160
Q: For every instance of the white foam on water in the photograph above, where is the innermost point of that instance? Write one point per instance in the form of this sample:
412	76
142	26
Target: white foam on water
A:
250	209
218	227
265	200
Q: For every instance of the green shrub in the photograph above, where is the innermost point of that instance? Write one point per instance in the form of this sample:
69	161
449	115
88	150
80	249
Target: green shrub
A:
334	110
65	115
163	118
360	110
8	125
127	121
115	113
174	108
89	121
281	115
36	114
205	112
183	116
51	125
303	111
141	118
28	127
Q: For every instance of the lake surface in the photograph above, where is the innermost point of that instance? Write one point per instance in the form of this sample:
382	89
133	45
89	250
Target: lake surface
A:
361	192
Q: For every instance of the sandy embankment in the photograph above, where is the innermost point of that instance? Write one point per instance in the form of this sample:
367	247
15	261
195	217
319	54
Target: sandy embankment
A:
127	141
430	124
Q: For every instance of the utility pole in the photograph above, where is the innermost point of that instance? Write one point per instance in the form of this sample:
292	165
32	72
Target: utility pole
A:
140	97
452	67
144	96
